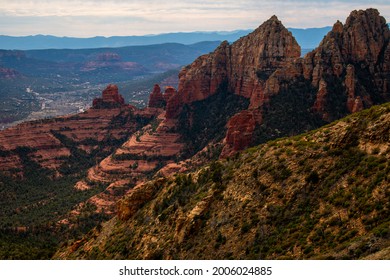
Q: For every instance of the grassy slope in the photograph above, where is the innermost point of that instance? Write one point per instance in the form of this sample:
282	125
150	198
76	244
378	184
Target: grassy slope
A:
323	194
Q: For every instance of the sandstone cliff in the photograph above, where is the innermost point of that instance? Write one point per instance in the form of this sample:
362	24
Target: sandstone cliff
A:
355	58
244	66
348	72
57	144
110	99
156	99
139	157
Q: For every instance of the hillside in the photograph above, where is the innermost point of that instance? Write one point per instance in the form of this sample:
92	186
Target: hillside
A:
320	195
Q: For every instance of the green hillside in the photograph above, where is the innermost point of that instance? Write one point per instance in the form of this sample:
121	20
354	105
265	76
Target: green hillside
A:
320	195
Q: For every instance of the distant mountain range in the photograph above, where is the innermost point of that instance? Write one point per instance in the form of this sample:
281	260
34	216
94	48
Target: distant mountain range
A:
307	38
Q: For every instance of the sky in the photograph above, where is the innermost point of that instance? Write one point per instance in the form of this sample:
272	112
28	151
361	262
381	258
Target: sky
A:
89	18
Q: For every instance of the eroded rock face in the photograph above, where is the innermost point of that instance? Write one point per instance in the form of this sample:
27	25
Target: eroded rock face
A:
156	99
168	93
348	72
136	198
143	153
355	55
256	56
240	132
51	142
110	98
241	68
365	34
48	142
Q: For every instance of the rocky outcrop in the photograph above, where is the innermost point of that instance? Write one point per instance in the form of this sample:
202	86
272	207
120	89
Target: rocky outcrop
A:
240	130
143	154
145	151
156	99
364	37
159	100
52	143
348	72
114	62
168	93
137	197
253	67
354	55
110	98
173	107
256	56
241	68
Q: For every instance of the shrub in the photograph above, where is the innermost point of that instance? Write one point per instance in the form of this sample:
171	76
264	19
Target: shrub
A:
312	178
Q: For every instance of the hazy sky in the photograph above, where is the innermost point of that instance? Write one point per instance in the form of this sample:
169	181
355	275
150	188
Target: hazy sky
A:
122	17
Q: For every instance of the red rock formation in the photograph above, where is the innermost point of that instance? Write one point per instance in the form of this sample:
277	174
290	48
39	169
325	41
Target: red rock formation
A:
110	98
114	62
44	136
258	55
159	100
110	94
359	46
243	66
358	105
173	106
156	99
319	104
49	140
143	153
365	34
352	63
240	130
137	197
168	93
351	89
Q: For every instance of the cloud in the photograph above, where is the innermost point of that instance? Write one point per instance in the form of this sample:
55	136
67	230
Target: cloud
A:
120	17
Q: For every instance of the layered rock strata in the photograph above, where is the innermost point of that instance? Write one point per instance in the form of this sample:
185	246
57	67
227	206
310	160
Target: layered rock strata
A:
355	55
50	143
244	66
110	98
348	72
